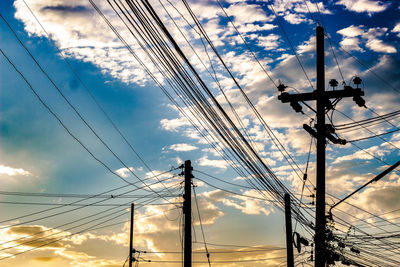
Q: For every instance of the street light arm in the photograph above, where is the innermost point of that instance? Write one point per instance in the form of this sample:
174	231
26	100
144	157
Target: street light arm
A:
377	178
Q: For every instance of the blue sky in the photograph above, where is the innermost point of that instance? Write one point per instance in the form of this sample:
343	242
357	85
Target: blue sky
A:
38	155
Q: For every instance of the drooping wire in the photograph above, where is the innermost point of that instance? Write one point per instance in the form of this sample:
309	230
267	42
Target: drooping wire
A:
89	91
139	204
201	227
305	178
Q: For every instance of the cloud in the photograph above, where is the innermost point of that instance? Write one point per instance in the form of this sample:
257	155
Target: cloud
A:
268	42
295	18
352	31
361	155
247	13
353	36
396	29
216	163
86	37
125	172
381	198
243	203
174	124
295	11
360	6
10	171
182	147
378	45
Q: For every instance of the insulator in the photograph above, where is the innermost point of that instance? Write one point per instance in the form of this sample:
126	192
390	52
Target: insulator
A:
296	106
333	83
357	80
359	101
281	87
328	104
329	128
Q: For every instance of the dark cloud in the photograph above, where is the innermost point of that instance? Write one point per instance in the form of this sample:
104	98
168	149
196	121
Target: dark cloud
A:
37	236
46	259
66	9
28	230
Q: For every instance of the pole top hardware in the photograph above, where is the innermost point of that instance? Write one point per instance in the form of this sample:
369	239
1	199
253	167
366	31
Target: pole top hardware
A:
333	83
281	87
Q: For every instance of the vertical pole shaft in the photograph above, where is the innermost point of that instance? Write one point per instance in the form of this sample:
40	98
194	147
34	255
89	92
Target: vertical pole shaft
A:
320	220
187	210
289	236
131	236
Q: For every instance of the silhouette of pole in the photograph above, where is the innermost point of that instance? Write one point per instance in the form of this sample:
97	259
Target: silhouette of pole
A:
322	132
131	236
320	219
187	211
289	236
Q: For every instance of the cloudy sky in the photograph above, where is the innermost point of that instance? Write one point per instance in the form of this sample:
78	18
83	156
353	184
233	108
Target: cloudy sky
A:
89	119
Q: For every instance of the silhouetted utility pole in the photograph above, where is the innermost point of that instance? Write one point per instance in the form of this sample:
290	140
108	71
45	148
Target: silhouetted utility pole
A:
187	211
289	234
322	132
131	237
320	219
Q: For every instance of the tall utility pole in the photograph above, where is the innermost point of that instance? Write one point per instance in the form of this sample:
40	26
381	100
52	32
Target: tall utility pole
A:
187	211
289	235
320	219
321	132
131	236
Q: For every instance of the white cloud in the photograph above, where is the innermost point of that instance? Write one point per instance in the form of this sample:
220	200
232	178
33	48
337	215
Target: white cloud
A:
352	31
182	147
173	124
269	42
296	11
251	27
311	6
379	46
363	155
353	35
307	46
243	203
216	163
247	13
396	29
125	172
375	44
10	171
294	18
369	6
351	44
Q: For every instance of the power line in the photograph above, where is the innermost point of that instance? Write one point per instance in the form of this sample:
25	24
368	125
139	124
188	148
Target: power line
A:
74	108
89	91
63	212
140	204
78	201
217	262
201	227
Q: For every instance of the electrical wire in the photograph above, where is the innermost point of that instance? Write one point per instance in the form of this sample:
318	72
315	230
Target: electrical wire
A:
201	227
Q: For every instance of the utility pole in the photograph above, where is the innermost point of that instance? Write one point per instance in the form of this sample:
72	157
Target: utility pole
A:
289	235
320	219
321	132
187	211
131	237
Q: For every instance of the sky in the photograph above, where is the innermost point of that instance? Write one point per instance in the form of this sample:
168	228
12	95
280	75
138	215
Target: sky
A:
75	149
